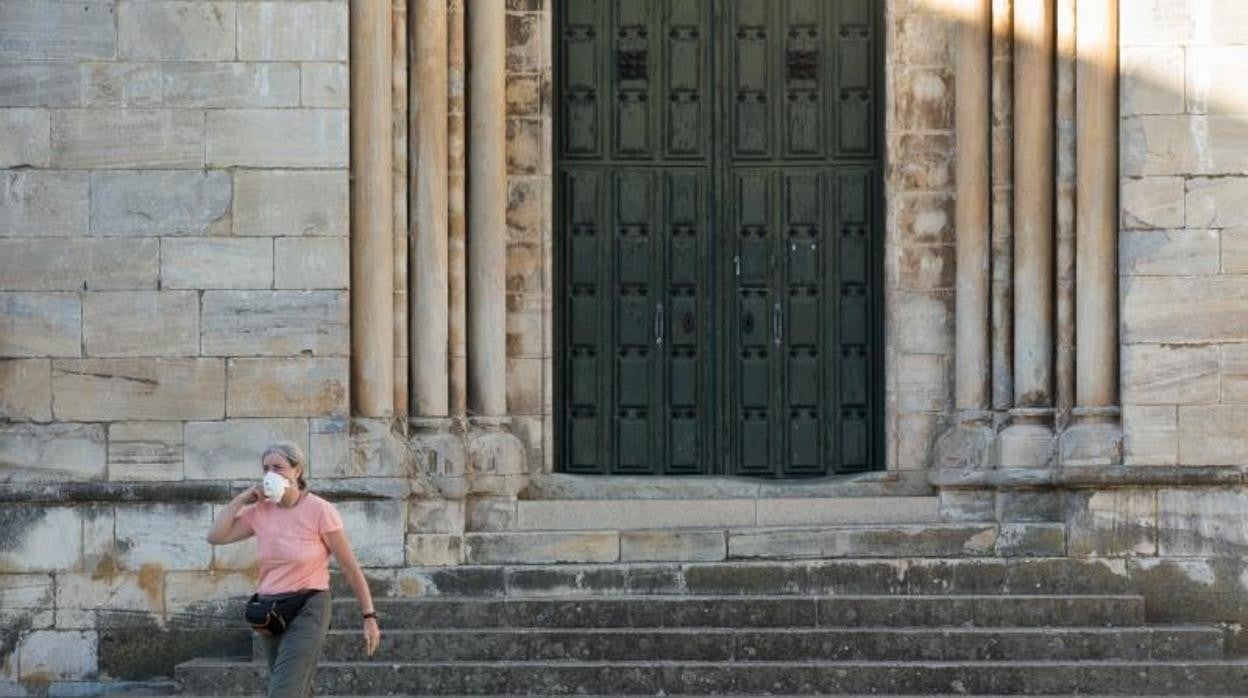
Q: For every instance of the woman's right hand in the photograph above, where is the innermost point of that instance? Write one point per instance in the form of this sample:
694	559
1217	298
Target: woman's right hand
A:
249	496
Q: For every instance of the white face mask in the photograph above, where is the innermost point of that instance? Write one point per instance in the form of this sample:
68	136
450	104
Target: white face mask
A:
274	486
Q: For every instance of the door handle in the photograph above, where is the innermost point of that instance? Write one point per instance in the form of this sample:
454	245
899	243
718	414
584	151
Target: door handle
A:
777	325
658	324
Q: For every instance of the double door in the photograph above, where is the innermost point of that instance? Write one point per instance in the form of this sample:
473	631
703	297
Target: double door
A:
717	237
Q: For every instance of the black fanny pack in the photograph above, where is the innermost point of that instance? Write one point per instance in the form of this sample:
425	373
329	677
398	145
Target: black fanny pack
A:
271	615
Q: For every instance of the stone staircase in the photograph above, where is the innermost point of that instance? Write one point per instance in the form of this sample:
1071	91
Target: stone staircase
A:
726	602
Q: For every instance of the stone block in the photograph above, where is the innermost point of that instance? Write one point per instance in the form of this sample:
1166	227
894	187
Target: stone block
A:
99	550
1152	202
782	511
275	323
165	536
160	202
524	386
178	31
924	322
27	139
967	505
1202	521
924	99
122	85
1028	506
524	95
40	324
927	163
158	389
950	540
232	85
434	550
428	516
1170	374
490	514
277	138
542	547
1169	252
26	599
1031	540
287	387
1235	251
925	39
680	546
1212	435
376	530
231	450
27	394
524	48
78	265
52	452
280	202
921	382
916	437
1111	523
1184	309
524	146
147	451
287	31
1150	435
217	263
1234	374
192	592
1022	445
141	323
57	655
34	203
1217	202
127	138
357	447
1186	144
1151	80
38	538
311	263
40	85
133	598
1158	22
1091	443
51	29
1214	81
325	85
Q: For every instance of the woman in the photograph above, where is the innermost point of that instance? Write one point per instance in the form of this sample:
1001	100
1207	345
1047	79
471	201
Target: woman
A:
296	532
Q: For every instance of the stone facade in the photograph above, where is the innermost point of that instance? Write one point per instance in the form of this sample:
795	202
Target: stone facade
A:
175	293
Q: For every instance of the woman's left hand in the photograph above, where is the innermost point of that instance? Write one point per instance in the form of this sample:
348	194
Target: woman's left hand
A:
372	636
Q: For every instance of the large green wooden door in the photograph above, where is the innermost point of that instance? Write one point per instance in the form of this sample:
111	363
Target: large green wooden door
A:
717	236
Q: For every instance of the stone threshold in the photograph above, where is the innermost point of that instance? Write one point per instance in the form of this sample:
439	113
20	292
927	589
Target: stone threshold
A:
560	486
1091	477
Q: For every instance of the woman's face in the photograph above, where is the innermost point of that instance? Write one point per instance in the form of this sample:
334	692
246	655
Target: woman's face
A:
275	463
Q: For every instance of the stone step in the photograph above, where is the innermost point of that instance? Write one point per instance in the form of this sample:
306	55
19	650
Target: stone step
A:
1135	678
753	612
767	543
565	486
990	575
628	513
785	644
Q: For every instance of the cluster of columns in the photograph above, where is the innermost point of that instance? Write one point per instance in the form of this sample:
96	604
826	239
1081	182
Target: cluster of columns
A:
457	310
1039	305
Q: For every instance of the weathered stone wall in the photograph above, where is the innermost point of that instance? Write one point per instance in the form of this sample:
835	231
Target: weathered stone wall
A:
1184	273
173	296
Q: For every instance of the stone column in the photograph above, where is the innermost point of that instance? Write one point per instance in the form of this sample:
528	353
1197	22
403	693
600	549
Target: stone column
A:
372	210
1064	223
428	261
496	457
487	208
968	443
1002	205
456	203
1028	440
398	127
1095	437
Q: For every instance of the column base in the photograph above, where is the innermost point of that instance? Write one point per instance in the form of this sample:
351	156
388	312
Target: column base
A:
441	457
968	444
496	458
1093	438
1029	441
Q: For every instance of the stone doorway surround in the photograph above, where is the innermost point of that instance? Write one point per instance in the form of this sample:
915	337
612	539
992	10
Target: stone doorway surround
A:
475	292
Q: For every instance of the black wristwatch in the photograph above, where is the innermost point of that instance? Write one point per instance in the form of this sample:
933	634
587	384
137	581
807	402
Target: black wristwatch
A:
373	615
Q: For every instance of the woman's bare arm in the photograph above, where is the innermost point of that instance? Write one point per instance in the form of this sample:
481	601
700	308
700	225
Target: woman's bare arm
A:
341	548
228	528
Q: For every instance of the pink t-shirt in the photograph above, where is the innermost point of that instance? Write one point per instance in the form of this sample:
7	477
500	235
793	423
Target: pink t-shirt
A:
293	555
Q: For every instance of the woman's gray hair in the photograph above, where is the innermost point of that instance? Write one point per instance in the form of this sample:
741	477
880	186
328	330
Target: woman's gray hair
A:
293	455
